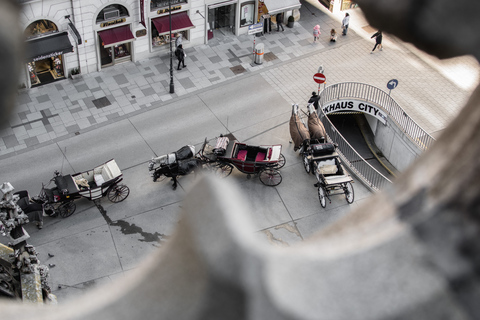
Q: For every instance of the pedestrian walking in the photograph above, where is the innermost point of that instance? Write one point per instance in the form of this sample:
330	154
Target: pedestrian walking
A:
333	35
314	99
345	23
180	54
279	19
378	40
316	33
178	40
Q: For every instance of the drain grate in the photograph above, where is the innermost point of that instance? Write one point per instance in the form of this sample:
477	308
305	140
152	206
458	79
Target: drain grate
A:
101	102
269	56
238	69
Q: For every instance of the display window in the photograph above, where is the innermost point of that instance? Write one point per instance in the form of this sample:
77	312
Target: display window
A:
247	13
160	40
46	70
115	54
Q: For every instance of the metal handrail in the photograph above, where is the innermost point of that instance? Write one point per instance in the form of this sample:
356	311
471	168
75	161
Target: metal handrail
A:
369	93
354	161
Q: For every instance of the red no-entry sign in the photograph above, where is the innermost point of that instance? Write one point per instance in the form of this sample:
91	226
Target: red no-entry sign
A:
319	78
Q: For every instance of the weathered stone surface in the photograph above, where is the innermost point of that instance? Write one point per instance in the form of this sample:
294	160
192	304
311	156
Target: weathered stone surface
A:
443	28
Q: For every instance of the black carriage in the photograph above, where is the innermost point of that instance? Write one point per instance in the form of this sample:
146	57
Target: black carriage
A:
224	154
319	157
332	178
94	184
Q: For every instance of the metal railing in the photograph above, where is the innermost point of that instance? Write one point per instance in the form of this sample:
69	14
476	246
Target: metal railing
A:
355	162
369	93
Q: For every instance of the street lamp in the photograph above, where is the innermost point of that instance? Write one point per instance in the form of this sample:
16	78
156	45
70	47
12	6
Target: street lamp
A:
172	86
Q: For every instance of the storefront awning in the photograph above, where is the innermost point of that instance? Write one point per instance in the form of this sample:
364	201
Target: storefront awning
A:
277	6
47	47
180	22
116	36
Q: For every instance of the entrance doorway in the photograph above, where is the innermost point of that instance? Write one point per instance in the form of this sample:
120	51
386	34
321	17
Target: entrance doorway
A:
46	70
115	54
222	20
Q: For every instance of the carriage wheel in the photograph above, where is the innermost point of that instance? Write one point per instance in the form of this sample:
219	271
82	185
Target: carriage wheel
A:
306	164
118	193
270	177
281	162
223	170
66	209
321	197
349	193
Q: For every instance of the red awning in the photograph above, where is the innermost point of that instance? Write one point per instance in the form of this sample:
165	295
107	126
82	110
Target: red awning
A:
180	21
116	36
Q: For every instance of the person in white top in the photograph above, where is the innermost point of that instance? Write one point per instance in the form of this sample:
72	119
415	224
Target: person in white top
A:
345	23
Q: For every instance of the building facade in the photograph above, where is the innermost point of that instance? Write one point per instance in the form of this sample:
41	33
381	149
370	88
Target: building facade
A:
64	37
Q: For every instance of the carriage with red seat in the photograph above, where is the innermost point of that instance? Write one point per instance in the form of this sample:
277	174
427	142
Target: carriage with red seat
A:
225	152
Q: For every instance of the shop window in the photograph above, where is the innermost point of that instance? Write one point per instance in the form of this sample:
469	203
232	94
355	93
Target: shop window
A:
160	40
348	4
46	70
115	54
157	4
40	27
112	12
247	13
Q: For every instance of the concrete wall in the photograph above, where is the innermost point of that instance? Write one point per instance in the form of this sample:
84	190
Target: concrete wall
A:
395	145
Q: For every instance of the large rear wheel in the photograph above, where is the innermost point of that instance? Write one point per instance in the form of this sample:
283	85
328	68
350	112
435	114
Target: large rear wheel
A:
222	170
118	193
322	197
66	209
270	177
281	162
349	193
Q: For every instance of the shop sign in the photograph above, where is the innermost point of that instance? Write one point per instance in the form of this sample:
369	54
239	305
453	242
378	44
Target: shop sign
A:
255	28
111	23
141	33
46	56
355	105
167	9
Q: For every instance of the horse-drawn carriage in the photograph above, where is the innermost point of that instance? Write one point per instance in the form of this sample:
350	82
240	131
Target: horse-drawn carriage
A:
264	160
319	157
101	181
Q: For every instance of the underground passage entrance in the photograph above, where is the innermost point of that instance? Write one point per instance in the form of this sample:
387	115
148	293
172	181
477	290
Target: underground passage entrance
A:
356	131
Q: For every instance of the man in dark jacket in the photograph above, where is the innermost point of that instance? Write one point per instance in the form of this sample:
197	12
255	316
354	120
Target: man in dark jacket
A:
180	54
378	40
279	19
314	99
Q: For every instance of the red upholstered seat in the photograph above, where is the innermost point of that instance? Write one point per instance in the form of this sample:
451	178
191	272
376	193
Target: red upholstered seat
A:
260	156
242	155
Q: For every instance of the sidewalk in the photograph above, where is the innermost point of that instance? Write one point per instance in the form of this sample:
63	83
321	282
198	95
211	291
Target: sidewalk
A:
430	95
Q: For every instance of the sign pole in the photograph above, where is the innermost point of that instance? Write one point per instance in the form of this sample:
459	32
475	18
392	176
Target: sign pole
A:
254	47
321	69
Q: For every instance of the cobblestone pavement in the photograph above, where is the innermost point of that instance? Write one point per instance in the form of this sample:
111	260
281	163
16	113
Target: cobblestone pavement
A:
430	91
